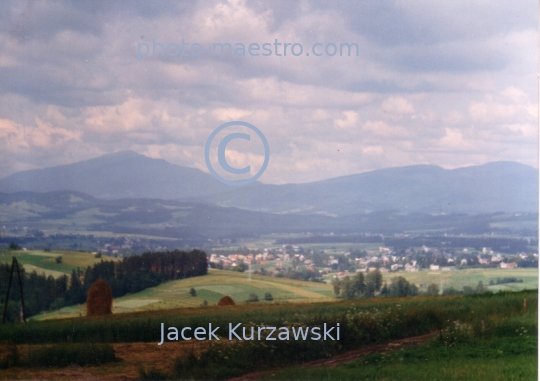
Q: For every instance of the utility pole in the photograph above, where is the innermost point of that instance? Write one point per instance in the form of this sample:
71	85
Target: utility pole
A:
13	264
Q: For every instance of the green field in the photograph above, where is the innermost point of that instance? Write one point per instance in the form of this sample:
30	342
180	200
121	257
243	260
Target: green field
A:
470	277
211	287
498	359
45	261
476	337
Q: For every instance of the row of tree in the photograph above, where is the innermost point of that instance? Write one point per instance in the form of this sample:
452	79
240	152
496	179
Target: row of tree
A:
131	275
360	286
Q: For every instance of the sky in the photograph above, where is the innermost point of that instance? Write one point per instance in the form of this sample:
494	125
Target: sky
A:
448	83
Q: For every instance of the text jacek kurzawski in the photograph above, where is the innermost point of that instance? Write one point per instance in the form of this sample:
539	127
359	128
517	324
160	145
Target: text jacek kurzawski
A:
251	333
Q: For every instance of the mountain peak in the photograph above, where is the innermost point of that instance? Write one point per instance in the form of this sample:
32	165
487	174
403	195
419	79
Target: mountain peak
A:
124	153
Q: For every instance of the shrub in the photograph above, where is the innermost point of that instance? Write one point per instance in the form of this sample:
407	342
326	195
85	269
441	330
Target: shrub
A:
192	292
253	298
268	297
58	259
13	246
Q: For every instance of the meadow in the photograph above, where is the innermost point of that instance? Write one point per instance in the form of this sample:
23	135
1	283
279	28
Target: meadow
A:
45	261
218	283
210	288
471	277
480	321
508	351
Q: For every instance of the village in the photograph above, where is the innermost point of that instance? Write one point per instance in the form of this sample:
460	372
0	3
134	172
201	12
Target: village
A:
276	261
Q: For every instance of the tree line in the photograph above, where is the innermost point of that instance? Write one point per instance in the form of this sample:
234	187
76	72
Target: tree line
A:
131	275
370	285
360	286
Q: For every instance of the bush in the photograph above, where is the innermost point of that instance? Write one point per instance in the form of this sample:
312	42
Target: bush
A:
58	259
13	246
268	297
253	297
192	292
98	255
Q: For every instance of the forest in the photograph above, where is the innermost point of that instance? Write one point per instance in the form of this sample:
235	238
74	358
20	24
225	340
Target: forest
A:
131	275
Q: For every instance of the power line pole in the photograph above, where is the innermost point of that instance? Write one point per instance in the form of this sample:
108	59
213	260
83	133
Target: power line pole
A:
13	264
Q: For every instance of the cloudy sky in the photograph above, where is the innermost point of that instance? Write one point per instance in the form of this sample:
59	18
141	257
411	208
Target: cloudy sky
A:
451	83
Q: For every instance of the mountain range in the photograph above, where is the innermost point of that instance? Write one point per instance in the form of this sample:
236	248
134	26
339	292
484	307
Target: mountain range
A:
488	188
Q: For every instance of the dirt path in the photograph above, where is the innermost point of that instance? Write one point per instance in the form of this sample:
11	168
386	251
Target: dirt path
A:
352	355
133	355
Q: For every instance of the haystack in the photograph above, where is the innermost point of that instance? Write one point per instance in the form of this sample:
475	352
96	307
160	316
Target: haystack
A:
99	299
226	301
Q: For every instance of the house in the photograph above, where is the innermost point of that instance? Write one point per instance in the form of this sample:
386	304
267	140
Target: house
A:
411	268
483	261
463	262
509	265
434	267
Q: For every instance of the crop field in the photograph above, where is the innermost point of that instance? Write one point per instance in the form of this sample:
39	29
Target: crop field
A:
211	288
477	337
45	261
470	277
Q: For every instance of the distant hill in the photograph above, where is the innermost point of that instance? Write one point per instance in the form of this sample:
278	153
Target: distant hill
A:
71	212
124	174
489	188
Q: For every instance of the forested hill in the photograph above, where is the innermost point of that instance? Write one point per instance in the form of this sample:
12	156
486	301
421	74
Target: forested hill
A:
488	188
131	275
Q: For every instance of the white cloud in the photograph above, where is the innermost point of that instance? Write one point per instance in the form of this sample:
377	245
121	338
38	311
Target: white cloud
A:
448	84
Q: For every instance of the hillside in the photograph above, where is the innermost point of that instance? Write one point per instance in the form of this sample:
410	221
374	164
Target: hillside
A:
124	174
211	287
44	262
488	188
219	283
26	216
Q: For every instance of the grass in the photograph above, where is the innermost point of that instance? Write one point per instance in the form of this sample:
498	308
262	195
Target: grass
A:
481	360
476	327
145	326
211	287
45	261
506	349
60	355
467	346
470	277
